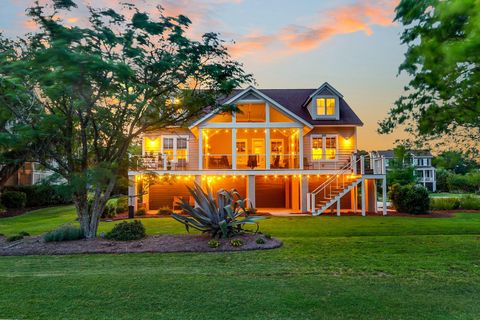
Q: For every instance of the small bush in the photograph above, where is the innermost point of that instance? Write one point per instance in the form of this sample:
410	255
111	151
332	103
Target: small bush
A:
165	211
127	231
470	202
236	243
24	233
44	195
14	238
14	199
260	241
444	203
214	243
141	212
411	199
65	233
268	236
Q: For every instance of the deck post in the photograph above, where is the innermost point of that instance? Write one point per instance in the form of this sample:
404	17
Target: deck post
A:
234	149
251	189
338	208
363	197
132	196
304	195
200	149
384	195
362	165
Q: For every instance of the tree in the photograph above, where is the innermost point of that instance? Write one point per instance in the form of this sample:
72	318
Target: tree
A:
400	169
443	97
96	88
454	161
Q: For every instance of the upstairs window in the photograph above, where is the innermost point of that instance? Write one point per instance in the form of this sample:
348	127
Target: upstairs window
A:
325	106
324	147
175	148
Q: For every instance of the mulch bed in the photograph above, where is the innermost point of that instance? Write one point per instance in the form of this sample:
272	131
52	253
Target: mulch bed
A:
152	244
124	216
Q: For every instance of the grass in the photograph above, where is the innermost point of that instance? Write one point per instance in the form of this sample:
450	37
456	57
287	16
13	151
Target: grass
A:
328	268
451	195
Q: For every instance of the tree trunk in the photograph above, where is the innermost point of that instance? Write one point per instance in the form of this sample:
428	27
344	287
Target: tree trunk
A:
89	213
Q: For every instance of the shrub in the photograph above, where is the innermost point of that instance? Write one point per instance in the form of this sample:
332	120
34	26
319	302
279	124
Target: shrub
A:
236	243
165	211
127	231
260	241
44	195
122	204
214	243
469	183
14	238
141	212
64	233
444	203
411	199
114	206
224	217
470	202
268	236
14	199
24	233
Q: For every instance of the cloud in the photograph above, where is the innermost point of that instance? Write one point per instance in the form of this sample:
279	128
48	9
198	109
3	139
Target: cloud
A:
360	16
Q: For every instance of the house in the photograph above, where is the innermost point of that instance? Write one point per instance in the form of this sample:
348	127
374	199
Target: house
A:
288	149
30	173
421	160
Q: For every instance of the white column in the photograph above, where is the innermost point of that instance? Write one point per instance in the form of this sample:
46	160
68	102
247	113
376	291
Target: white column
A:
363	197
200	149
304	194
338	208
251	189
300	148
267	148
362	164
132	192
234	149
434	182
384	195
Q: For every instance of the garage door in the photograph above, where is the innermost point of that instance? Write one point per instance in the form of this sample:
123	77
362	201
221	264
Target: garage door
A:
270	193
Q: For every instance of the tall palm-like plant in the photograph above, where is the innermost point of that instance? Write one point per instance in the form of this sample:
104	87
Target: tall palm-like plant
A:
224	218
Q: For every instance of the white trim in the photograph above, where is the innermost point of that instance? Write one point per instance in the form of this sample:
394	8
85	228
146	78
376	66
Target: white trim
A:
234	148
200	148
248	125
323	86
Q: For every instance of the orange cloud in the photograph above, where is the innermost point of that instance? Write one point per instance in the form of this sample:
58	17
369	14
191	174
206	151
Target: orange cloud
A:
358	17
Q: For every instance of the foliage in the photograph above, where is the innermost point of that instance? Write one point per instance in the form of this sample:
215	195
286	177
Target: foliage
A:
442	176
14	238
141	212
24	233
443	95
114	206
44	195
236	243
444	203
469	183
127	231
226	217
13	199
83	92
410	198
165	211
402	176
267	236
470	202
260	240
455	161
64	233
213	243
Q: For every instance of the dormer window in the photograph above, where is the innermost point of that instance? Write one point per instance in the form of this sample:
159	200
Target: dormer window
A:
325	107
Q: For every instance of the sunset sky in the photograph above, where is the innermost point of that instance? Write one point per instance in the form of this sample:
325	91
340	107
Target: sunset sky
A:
352	44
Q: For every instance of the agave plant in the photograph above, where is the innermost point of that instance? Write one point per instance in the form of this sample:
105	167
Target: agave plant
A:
224	218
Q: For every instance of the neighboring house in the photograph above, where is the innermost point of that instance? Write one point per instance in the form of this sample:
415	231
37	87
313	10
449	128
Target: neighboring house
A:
30	173
288	149
421	161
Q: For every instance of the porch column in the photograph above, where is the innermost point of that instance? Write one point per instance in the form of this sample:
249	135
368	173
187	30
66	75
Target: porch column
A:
371	196
251	189
363	197
267	148
234	149
300	149
304	193
338	208
132	199
384	195
434	180
198	180
200	148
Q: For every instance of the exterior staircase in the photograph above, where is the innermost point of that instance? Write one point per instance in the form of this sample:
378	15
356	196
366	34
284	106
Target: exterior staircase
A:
343	181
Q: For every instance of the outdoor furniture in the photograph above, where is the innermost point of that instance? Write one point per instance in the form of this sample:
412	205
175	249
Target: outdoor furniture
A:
276	162
252	161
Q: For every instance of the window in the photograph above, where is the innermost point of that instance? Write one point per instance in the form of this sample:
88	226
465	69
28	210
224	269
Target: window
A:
175	148
325	106
324	147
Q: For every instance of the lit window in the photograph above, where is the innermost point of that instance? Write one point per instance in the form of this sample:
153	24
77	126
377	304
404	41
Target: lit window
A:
168	148
182	148
175	148
317	148
331	148
325	106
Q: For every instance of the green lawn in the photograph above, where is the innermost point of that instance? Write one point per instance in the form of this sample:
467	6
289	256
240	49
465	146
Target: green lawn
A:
329	268
451	195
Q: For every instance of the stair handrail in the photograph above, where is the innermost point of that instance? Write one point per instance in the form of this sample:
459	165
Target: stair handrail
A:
345	169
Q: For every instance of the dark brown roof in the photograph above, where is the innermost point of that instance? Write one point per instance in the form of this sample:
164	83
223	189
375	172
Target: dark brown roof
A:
294	99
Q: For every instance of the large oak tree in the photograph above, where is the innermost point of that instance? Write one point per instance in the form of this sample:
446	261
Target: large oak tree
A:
92	89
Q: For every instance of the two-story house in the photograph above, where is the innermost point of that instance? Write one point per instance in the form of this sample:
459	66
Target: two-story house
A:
421	160
288	149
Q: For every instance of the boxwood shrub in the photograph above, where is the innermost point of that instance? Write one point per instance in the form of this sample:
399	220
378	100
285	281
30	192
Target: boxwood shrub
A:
413	199
13	199
127	231
64	233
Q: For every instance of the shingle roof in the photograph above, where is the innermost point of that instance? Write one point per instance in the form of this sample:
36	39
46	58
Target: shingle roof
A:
293	100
